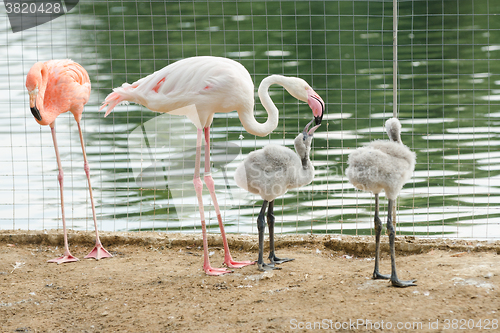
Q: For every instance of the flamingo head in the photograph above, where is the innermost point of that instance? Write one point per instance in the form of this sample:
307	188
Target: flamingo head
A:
301	90
33	82
393	129
302	142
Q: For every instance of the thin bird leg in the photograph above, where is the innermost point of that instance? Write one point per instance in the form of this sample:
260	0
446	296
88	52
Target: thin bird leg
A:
98	251
198	186
67	257
378	231
228	260
270	224
392	235
261	226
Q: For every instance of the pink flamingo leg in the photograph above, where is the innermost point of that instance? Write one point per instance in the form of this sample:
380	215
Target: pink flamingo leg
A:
198	186
67	257
98	251
228	260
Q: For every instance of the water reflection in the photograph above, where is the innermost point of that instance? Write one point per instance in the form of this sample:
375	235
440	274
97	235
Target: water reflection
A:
142	169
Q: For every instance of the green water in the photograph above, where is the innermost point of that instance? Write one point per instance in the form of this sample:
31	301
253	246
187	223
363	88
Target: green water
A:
142	162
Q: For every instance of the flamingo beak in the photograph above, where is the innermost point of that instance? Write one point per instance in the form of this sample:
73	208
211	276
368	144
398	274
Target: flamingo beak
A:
34	110
36	113
316	104
309	132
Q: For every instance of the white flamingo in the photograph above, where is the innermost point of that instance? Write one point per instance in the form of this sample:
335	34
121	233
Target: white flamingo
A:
270	172
383	165
199	87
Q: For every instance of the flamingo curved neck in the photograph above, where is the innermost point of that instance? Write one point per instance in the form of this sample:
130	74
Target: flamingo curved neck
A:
248	120
396	137
40	97
306	172
393	129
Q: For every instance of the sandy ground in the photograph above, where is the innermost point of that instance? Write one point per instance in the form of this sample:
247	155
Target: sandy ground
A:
155	283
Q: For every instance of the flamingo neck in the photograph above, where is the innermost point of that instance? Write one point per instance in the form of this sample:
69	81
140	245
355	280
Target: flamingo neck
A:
248	119
304	158
306	173
393	129
40	98
396	137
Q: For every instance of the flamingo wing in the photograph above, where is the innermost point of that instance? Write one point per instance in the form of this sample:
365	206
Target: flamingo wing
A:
68	87
209	83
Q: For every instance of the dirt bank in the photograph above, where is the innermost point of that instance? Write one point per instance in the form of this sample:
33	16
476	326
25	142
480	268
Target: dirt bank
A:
155	283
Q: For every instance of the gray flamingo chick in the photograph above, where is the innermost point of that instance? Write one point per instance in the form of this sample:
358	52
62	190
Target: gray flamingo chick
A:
383	165
270	172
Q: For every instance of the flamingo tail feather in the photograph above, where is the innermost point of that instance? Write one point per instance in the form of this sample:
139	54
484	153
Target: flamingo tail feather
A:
112	100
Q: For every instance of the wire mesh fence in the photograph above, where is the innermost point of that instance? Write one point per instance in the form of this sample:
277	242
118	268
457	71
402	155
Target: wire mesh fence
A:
142	162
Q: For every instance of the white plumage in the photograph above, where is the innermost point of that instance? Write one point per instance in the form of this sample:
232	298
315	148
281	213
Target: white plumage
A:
212	85
383	165
199	87
270	172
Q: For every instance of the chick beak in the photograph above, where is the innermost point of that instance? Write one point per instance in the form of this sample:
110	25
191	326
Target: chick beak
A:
304	132
309	132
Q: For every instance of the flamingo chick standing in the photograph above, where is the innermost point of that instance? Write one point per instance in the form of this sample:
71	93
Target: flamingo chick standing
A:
271	172
197	88
383	165
55	87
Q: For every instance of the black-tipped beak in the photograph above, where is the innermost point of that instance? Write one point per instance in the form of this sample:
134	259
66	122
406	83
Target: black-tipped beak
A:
36	113
317	120
316	104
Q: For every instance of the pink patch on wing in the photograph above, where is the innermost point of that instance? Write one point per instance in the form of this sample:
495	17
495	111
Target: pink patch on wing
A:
207	87
158	85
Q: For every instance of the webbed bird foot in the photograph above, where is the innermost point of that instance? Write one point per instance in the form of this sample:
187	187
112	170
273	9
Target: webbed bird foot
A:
237	264
276	260
403	284
209	270
267	267
67	257
378	276
98	252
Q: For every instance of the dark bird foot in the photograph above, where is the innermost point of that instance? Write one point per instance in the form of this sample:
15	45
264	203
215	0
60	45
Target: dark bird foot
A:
267	267
403	284
378	276
276	260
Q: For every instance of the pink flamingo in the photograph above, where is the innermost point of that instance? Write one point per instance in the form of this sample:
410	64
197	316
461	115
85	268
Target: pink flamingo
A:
199	87
55	87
